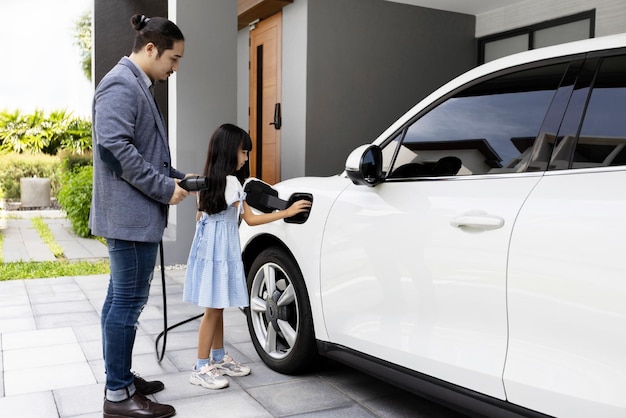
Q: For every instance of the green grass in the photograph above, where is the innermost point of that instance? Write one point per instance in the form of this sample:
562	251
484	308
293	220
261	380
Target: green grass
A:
46	235
45	269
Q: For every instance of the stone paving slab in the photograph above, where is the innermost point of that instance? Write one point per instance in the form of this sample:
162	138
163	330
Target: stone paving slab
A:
52	367
75	247
22	242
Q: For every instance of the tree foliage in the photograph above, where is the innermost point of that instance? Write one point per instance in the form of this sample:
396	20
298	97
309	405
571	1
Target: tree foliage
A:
37	132
83	39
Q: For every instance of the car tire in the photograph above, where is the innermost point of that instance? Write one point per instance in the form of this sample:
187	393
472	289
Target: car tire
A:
279	317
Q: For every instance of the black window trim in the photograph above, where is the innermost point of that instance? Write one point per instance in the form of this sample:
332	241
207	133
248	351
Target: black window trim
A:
531	29
401	131
601	56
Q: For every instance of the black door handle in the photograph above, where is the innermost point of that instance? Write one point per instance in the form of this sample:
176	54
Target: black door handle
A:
278	122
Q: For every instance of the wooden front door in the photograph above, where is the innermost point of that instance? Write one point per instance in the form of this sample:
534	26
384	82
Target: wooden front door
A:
265	111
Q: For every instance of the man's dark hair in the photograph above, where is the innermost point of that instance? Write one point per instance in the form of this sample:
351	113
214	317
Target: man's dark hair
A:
158	30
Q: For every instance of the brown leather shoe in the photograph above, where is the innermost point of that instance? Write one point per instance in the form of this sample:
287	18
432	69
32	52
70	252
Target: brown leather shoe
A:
137	406
146	387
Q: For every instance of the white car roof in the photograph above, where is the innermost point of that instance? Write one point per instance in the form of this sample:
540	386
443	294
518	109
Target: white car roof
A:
561	50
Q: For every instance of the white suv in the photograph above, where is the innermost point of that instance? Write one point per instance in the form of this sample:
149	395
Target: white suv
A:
473	252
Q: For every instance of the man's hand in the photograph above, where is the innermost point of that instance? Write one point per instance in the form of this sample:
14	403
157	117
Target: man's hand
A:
191	175
179	194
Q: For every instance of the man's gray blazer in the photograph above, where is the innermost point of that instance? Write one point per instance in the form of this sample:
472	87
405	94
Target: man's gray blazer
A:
132	180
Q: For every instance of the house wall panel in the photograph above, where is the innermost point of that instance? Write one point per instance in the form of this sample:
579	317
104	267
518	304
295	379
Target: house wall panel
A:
610	15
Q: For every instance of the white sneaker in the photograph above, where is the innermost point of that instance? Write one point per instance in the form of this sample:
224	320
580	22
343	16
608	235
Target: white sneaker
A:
230	367
208	377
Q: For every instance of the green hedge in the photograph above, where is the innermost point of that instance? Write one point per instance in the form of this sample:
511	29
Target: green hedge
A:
75	198
15	166
71	162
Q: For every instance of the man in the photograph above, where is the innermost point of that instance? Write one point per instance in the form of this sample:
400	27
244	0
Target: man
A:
134	183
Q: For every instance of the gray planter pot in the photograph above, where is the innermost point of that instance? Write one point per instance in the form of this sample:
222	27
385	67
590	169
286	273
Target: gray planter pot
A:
34	192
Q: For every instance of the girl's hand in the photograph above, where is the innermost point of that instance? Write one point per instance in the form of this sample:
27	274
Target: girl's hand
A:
298	207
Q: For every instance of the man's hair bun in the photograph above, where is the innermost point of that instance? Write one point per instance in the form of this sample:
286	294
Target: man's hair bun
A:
139	21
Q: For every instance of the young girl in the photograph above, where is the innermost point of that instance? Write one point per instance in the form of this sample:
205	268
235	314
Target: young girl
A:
215	278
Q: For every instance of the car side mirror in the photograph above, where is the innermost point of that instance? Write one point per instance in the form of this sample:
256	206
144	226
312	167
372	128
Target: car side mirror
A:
364	165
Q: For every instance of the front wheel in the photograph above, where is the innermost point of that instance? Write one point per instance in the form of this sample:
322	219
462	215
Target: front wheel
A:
279	317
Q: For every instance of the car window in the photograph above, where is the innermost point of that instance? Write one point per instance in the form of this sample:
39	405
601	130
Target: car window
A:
602	138
488	128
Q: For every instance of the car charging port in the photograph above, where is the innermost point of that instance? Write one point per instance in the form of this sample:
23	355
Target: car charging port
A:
263	197
301	217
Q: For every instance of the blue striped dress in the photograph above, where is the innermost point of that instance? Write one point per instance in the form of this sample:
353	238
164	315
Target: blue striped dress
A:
215	277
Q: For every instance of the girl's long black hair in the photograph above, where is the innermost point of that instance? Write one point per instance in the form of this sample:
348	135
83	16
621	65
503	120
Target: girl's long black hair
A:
221	161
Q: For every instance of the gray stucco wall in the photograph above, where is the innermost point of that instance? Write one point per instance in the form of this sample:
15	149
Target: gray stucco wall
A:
293	137
350	68
199	98
368	62
113	35
203	96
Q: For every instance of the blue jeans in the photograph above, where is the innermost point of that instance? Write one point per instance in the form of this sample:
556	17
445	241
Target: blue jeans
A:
132	267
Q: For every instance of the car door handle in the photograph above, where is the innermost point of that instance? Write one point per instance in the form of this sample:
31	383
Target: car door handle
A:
477	220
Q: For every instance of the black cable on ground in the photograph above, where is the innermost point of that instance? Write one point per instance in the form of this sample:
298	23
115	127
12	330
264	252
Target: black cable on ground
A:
163	333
